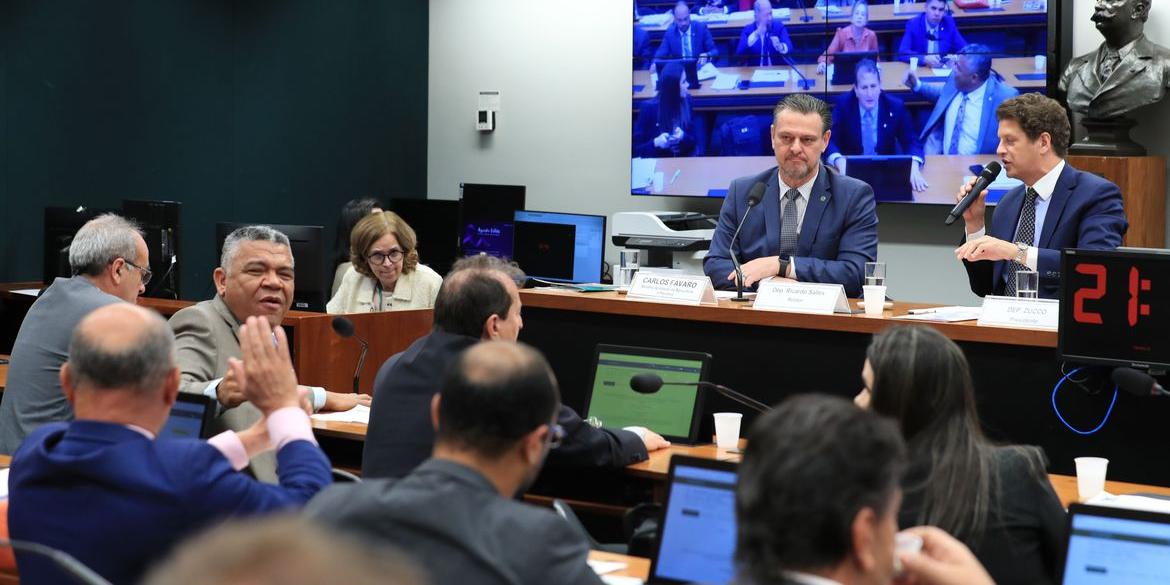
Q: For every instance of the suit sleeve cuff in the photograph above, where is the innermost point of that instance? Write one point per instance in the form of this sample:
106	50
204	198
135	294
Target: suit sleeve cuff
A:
318	397
229	444
289	424
210	390
1032	257
791	269
919	160
976	235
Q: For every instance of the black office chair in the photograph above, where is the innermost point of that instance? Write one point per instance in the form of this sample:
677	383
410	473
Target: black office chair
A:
343	476
565	511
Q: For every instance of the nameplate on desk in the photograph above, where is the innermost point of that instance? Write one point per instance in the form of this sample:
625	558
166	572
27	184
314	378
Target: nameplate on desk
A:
801	297
1016	312
672	288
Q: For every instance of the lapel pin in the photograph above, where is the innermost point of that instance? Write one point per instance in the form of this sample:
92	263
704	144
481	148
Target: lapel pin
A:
822	198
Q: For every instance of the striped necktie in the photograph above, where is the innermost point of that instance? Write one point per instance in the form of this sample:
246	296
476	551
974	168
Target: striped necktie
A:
1026	233
958	129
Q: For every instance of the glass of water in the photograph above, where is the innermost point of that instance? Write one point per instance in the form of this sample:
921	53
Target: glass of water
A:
1027	284
875	273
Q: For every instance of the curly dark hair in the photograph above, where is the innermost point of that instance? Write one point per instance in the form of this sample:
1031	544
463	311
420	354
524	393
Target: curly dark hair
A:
1037	114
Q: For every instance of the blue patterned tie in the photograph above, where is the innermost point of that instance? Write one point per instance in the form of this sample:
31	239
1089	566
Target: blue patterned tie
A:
1026	233
789	221
868	133
958	131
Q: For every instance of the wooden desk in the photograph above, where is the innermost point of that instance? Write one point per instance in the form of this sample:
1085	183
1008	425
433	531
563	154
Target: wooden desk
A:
881	17
3	372
636	567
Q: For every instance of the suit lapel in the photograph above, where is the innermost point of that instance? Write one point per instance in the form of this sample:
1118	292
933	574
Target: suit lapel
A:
1004	222
225	313
989	123
817	201
771	204
940	109
1060	196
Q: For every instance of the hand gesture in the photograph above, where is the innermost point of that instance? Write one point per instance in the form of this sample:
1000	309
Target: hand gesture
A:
270	383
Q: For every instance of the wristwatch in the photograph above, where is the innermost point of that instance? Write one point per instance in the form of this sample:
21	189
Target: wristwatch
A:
1022	253
783	272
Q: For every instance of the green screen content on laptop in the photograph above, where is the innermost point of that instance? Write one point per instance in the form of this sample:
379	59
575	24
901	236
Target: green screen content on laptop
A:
668	412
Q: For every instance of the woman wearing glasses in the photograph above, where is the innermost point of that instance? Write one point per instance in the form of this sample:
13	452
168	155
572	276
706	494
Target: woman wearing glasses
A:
385	274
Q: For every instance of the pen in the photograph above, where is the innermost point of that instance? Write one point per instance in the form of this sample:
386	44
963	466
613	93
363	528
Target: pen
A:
675	176
922	311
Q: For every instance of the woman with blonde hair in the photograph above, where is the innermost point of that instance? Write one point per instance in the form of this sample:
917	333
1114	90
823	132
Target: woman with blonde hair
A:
385	274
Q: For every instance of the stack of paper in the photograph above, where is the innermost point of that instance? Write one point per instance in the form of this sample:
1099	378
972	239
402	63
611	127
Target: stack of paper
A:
708	71
952	314
357	414
656	19
725	81
1131	502
642	172
769	75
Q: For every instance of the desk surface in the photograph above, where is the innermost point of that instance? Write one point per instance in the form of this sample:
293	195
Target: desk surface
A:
878	13
3	372
635	566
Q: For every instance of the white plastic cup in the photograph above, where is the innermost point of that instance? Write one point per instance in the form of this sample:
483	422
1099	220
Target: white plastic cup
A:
914	64
829	72
1041	63
727	429
1090	476
875	299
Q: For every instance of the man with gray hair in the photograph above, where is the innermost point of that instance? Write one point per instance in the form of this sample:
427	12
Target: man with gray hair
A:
74	485
254	279
110	263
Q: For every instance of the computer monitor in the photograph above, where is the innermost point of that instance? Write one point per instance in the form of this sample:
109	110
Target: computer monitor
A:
487	217
674	411
61	224
311	289
888	175
436	223
159	221
190	417
696	542
1116	545
561	247
845	66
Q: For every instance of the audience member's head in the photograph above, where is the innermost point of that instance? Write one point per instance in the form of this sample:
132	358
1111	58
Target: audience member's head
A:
935	10
497	408
868	83
479	298
859	16
282	551
351	213
256	273
682	15
670	98
972	68
800	134
763	12
110	251
383	247
121	367
819	493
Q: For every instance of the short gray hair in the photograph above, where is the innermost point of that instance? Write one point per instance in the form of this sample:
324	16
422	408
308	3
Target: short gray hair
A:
250	233
142	366
489	263
802	103
979	58
102	240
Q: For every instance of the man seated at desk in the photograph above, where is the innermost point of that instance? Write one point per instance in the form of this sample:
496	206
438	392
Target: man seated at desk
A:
867	121
456	514
764	40
102	487
812	224
685	39
931	36
478	300
254	279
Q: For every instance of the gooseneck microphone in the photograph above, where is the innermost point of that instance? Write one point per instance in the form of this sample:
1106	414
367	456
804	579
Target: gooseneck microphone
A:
1137	382
754	195
646	383
990	172
343	326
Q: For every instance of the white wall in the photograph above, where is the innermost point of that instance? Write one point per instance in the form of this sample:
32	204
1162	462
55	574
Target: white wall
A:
564	126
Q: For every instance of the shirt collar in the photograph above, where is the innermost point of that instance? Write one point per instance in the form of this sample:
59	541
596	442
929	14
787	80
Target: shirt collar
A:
1047	184
1123	52
141	431
977	94
808	579
805	189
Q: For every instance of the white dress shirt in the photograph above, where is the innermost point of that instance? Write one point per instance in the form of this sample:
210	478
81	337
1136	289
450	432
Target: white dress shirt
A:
972	118
1044	188
805	191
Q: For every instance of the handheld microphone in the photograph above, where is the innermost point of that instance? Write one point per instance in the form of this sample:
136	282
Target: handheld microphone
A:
647	383
990	172
753	199
1137	382
63	560
343	326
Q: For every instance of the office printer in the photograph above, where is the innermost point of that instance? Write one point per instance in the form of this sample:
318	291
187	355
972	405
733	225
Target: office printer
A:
672	239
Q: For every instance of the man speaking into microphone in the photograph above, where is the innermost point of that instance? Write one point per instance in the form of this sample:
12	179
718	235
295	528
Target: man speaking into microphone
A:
1057	207
812	225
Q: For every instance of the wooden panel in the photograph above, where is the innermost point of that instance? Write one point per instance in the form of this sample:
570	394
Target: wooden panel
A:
3	373
324	358
1142	180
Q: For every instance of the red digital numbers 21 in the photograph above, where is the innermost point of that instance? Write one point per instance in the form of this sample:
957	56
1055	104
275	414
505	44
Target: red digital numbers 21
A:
1091	294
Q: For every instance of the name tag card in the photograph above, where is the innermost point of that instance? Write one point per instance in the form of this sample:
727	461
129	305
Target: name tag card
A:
1026	313
672	288
801	297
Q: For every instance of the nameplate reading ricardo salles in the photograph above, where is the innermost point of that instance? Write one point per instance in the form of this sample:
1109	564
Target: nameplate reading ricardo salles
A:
1015	312
672	288
801	297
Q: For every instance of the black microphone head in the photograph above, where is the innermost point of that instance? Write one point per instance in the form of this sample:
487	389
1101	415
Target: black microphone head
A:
1133	381
645	383
343	326
991	170
756	194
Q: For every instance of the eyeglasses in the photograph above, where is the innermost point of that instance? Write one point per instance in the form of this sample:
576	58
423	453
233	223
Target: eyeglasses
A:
145	272
556	435
378	258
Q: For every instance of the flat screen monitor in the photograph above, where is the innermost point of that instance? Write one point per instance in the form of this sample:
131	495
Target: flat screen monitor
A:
561	247
310	289
436	223
487	218
1114	308
1116	545
674	411
696	541
61	224
159	221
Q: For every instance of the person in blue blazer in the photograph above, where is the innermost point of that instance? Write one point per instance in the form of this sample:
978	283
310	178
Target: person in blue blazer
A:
812	224
685	39
763	40
970	95
104	489
1057	207
893	131
931	36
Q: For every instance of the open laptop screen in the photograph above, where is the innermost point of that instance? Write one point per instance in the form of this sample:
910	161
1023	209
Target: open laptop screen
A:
189	418
1113	545
697	543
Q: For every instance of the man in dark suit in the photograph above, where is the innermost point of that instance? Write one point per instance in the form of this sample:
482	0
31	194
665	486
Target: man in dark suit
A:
818	498
104	490
1057	207
495	420
763	41
931	36
686	40
867	121
812	225
478	301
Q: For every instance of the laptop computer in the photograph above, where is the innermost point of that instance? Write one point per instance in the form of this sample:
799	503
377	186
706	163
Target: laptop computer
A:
888	175
1116	545
190	417
696	539
845	66
690	71
673	412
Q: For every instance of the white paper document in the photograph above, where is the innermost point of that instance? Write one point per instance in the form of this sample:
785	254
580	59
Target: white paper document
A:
620	580
725	81
952	314
708	71
940	71
4	483
642	172
769	75
603	567
1131	502
357	414
32	292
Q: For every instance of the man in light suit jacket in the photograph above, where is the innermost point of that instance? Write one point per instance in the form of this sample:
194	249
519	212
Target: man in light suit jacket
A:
931	36
109	260
103	489
963	118
255	279
812	225
495	421
1058	206
685	39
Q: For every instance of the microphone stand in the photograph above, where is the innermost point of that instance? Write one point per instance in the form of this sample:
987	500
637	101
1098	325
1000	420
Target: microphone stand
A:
357	372
803	83
806	17
726	392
